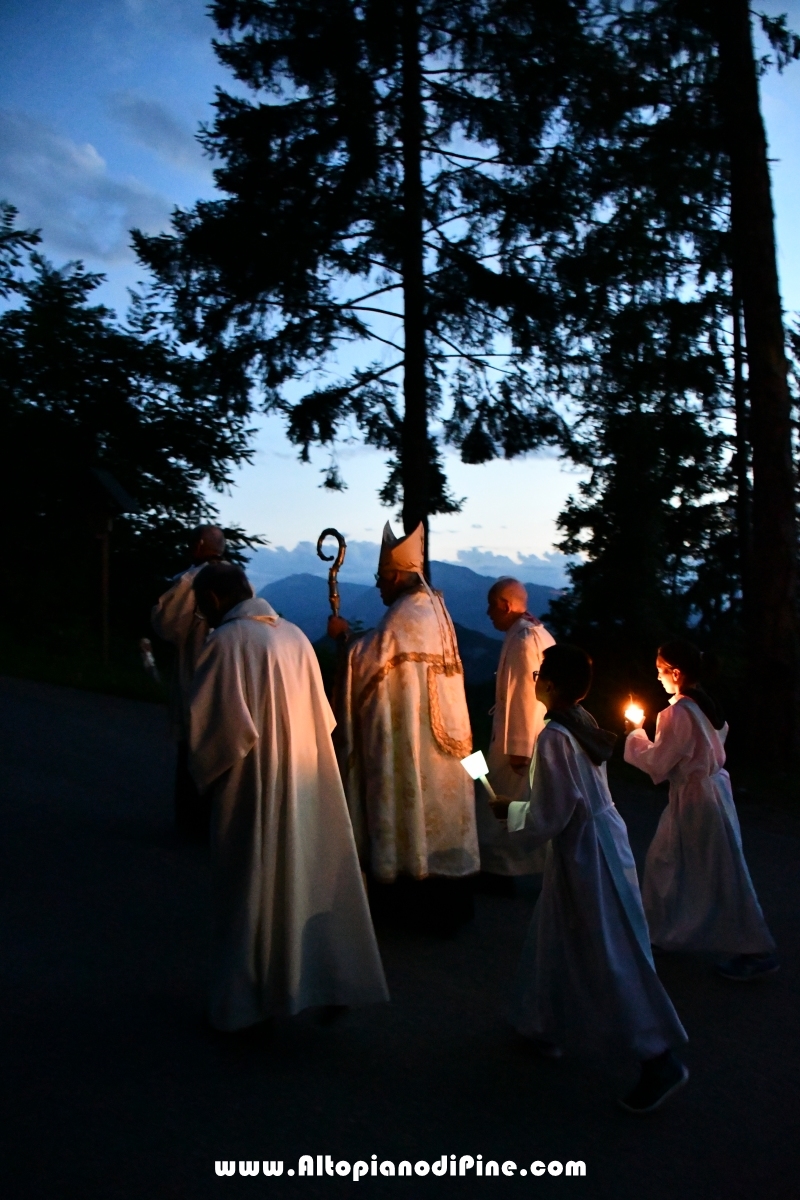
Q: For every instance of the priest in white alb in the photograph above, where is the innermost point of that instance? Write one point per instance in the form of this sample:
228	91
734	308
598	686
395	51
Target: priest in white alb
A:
291	923
518	720
176	620
403	729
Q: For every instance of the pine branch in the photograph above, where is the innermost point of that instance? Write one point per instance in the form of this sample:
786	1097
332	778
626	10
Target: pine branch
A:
366	308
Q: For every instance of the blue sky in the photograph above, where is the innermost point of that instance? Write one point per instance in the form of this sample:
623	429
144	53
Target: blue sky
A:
99	102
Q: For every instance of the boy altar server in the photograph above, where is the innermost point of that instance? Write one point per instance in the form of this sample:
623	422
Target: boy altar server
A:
291	925
403	729
517	721
586	976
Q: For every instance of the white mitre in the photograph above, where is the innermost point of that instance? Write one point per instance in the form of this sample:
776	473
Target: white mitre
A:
402	554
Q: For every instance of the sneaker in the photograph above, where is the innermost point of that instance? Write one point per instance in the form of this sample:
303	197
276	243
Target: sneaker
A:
746	968
659	1079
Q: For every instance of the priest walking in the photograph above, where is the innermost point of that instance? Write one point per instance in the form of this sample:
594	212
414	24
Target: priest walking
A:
175	619
403	729
291	924
517	722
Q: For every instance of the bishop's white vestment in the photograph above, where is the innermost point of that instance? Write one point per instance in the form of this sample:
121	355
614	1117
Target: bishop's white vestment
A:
404	727
586	978
291	925
518	719
697	890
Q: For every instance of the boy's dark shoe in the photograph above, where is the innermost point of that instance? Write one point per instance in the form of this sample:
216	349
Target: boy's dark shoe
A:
746	968
660	1077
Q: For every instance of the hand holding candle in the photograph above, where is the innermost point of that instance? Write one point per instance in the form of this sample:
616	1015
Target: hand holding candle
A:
476	767
634	714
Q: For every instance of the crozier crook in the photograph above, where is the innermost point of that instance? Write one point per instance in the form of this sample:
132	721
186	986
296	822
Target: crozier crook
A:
333	587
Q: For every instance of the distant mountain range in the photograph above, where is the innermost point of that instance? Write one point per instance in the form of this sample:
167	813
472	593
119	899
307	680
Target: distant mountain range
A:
303	599
268	564
479	654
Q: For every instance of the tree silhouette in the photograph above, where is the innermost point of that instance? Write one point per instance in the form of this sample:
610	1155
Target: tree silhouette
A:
371	179
773	626
80	392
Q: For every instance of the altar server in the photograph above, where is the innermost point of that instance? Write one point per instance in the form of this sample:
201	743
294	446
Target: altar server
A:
586	977
404	727
175	619
697	890
518	719
291	924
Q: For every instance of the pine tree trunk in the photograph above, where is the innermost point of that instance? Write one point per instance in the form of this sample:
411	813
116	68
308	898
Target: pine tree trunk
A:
414	452
743	505
774	642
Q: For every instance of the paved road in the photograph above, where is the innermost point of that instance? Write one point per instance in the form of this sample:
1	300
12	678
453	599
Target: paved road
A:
114	1087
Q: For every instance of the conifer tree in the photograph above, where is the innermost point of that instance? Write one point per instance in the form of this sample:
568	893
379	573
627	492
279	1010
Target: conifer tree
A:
549	182
372	175
702	236
81	391
638	355
774	622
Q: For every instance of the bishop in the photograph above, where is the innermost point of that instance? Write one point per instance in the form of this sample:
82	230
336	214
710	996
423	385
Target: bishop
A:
403	729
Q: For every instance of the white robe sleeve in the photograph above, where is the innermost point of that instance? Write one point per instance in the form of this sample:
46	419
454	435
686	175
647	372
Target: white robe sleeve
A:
172	618
555	791
675	736
221	728
524	713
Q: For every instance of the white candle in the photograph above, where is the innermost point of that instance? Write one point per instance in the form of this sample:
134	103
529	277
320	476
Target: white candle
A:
477	768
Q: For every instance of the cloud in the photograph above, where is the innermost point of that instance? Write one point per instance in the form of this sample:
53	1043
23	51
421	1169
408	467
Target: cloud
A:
550	570
65	189
272	563
154	126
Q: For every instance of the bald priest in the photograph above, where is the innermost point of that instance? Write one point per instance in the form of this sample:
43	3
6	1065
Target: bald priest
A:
291	924
518	719
403	727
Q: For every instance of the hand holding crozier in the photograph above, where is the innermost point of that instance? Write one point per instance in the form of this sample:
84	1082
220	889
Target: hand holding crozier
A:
337	627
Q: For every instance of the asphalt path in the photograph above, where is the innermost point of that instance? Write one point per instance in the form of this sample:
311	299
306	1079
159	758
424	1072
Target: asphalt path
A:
114	1087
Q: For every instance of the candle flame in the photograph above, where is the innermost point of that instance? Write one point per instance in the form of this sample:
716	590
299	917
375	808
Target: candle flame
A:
634	713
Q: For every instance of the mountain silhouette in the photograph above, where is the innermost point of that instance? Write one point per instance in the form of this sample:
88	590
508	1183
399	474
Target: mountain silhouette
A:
303	599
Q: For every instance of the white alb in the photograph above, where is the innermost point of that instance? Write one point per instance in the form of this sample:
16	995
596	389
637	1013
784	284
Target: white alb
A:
586	978
518	720
697	890
175	619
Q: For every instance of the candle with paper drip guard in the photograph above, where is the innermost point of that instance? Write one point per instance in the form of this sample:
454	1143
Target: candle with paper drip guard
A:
477	768
634	713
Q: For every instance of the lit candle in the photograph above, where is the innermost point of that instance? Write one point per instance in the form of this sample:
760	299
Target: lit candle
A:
477	768
634	714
